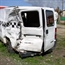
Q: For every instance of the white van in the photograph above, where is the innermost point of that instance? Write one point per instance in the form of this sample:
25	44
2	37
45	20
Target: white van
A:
28	30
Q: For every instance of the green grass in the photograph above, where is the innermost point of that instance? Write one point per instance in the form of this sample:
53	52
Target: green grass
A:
54	58
62	18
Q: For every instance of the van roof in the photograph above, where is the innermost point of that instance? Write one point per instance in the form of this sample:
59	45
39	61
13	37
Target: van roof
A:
33	7
29	7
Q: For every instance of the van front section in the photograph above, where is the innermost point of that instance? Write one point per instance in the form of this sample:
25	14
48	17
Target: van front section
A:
32	31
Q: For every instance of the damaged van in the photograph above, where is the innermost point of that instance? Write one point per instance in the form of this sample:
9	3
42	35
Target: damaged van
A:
28	30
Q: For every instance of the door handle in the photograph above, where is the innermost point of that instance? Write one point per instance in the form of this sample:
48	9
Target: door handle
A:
47	31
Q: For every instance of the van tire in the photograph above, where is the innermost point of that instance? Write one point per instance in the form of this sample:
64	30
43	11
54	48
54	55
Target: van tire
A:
9	47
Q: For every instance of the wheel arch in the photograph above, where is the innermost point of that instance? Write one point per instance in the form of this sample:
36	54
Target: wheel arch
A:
5	39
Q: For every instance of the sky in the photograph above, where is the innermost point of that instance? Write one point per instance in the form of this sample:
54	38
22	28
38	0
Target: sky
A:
13	3
48	3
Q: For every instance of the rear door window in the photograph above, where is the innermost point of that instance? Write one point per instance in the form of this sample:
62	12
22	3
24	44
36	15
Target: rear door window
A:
49	18
30	18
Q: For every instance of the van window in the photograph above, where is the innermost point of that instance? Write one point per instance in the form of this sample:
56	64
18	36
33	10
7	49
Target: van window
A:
30	18
49	18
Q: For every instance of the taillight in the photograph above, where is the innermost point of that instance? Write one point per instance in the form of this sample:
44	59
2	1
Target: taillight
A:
55	32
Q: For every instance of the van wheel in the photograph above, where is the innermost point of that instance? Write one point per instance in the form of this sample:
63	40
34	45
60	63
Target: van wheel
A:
9	47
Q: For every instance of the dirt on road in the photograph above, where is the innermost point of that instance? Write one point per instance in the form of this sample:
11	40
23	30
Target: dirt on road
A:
5	60
61	30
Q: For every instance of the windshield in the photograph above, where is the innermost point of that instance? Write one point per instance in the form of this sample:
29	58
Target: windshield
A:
30	18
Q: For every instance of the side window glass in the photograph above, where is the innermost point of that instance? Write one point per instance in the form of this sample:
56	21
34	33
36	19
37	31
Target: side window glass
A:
49	18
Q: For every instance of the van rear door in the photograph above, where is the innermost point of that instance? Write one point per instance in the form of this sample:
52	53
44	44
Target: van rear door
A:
31	30
49	29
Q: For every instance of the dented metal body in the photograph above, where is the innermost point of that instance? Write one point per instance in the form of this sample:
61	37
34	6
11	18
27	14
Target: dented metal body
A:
27	28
